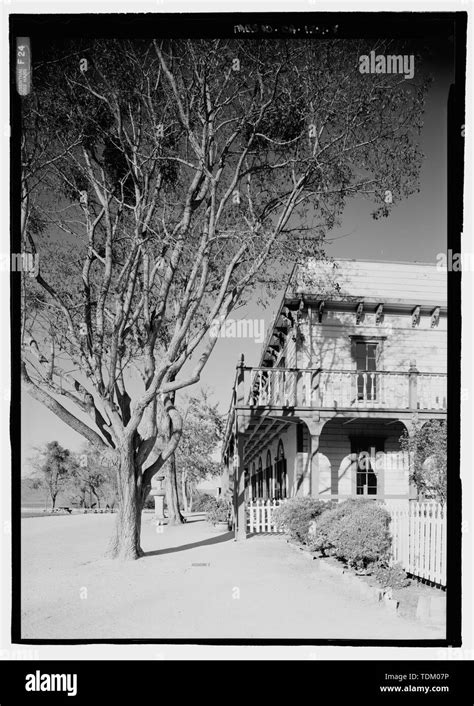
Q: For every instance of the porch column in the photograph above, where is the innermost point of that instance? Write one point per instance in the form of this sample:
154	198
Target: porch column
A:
240	519
315	426
411	427
412	385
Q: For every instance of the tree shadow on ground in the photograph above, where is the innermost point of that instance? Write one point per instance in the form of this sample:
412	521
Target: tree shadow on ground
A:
218	539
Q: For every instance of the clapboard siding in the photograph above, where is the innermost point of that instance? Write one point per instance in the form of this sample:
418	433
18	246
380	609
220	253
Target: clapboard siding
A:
328	344
371	279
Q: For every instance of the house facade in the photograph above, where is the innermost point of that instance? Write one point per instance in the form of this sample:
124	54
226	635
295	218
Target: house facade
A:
355	356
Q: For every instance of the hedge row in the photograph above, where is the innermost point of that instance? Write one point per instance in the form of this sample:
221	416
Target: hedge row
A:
356	531
296	514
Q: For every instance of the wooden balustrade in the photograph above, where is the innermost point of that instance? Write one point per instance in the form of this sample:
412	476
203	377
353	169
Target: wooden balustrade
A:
290	387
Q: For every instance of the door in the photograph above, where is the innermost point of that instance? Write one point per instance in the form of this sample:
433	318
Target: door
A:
366	363
368	479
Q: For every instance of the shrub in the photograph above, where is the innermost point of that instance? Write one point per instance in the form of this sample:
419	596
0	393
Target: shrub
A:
149	503
326	523
202	502
296	515
355	531
219	513
393	576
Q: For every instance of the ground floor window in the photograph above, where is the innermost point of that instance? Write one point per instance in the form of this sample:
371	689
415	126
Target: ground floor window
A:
253	483
268	477
270	482
280	473
366	477
366	480
260	479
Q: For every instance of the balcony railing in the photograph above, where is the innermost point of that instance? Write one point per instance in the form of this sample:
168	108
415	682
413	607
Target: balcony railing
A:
290	387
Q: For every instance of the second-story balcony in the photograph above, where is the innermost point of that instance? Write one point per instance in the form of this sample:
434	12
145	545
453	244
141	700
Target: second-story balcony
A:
345	389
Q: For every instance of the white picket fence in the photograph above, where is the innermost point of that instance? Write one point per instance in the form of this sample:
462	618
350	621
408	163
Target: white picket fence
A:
260	515
418	534
419	539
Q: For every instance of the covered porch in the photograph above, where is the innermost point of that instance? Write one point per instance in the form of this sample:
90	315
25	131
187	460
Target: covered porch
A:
303	436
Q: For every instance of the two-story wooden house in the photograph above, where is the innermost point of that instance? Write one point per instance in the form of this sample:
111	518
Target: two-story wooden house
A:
356	354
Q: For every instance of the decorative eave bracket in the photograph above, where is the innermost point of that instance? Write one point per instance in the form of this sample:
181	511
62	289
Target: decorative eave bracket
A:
379	314
321	310
435	317
415	316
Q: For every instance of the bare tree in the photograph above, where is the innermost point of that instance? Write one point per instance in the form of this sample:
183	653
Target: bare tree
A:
163	182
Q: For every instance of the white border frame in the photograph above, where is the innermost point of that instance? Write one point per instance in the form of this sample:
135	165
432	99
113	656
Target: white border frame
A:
223	652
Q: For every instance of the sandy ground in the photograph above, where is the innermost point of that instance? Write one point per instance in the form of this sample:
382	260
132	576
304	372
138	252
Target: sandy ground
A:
192	583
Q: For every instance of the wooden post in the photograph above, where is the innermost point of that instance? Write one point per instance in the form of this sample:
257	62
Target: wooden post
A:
412	385
315	427
241	382
316	389
239	487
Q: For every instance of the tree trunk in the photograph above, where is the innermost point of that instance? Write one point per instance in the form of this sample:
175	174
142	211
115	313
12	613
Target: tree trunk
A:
125	542
183	491
191	499
97	498
174	515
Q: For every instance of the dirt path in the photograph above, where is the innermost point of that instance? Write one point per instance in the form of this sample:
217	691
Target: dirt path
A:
192	583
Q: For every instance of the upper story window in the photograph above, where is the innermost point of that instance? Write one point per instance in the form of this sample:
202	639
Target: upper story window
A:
367	353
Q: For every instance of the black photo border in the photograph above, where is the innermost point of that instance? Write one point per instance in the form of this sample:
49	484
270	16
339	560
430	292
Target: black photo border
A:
205	25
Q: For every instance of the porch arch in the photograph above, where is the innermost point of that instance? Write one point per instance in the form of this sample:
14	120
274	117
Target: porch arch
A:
320	476
281	476
346	444
269	477
260	478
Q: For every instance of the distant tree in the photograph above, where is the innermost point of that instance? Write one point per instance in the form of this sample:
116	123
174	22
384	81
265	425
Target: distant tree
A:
203	427
427	452
94	477
54	470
